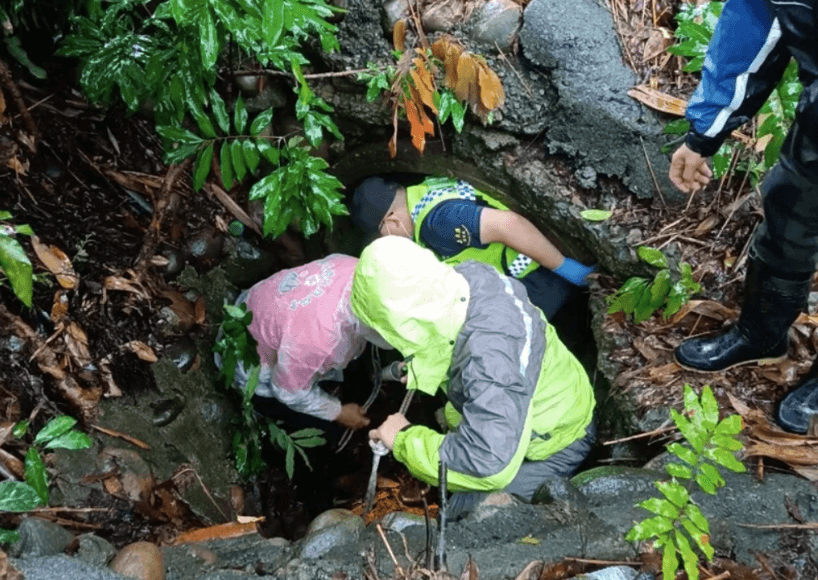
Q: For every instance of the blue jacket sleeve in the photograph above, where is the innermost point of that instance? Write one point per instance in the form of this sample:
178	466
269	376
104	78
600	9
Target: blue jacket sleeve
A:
744	62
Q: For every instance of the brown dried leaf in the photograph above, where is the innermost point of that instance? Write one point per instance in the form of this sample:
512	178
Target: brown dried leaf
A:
142	350
440	47
57	263
645	350
707	308
125	285
707	224
393	142
466	77
219	532
107	376
200	308
399	35
492	94
658	40
664	372
55	372
12	463
59	309
424	84
183	308
658	100
531	572
803	455
118	434
415	124
77	342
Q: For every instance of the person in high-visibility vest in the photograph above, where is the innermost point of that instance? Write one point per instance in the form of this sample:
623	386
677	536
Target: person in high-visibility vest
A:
459	223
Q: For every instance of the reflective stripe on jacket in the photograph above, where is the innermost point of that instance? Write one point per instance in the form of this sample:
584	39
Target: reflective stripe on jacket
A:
421	199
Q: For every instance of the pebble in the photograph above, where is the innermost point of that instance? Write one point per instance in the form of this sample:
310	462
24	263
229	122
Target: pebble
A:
140	560
40	538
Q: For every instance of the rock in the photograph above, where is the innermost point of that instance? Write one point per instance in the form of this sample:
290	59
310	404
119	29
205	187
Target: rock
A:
602	482
586	177
558	489
40	538
62	568
332	529
248	85
166	410
399	521
183	353
134	473
271	97
490	505
329	518
206	245
442	16
95	550
394	10
613	573
176	262
496	23
140	560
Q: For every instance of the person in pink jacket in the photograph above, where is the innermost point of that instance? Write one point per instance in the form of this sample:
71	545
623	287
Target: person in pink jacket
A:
306	334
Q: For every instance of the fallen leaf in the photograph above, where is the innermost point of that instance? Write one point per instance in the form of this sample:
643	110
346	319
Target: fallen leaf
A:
658	40
399	35
200	308
12	463
218	532
707	308
531	572
120	435
706	225
56	262
643	349
125	285
466	77
108	378
77	342
492	94
658	100
142	350
530	540
59	309
162	260
183	308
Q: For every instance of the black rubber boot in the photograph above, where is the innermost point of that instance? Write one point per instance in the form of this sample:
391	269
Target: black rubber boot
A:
771	305
796	409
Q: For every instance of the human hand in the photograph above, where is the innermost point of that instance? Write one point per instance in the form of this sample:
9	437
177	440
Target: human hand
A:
688	170
388	430
352	416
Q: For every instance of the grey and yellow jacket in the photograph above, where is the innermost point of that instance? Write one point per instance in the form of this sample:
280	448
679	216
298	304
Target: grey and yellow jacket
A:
515	392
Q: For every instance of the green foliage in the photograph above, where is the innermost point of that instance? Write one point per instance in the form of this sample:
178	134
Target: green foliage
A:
13	260
641	297
238	345
169	54
676	518
595	215
694	31
19	496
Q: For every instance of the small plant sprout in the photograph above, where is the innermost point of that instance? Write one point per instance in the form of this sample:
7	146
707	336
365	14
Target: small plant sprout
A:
678	525
641	297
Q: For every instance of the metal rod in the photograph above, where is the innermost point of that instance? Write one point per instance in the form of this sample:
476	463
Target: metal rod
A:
440	556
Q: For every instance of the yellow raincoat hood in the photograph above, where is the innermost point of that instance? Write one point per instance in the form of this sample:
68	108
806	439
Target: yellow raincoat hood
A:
416	303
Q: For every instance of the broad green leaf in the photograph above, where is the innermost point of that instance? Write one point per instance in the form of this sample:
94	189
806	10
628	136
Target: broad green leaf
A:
670	562
595	215
674	492
692	404
5	215
206	127
226	167
20	429
710	407
54	428
529	540
458	116
701	538
628	296
707	485
689	557
652	256
237	154
649	528
172	133
722	160
311	442
201	168
660	507
70	440
251	155
712	474
16	496
677	470
727	442
219	111
306	433
35	474
677	127
273	21
17	267
683	453
240	115
24	229
643	309
695	515
261	122
208	39
289	462
312	130
726	459
659	289
8	536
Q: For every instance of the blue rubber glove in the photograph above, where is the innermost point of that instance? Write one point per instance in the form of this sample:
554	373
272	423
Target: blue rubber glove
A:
574	272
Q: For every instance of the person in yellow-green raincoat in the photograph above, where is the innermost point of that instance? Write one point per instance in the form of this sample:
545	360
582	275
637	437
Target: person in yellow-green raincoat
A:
520	404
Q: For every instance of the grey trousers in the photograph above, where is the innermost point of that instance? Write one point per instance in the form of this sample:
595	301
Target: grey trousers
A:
531	475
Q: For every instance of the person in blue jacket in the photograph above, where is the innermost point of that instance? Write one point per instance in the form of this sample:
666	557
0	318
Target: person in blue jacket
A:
752	45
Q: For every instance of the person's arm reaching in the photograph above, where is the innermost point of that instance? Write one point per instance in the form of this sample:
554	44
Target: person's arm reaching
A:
515	231
316	402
